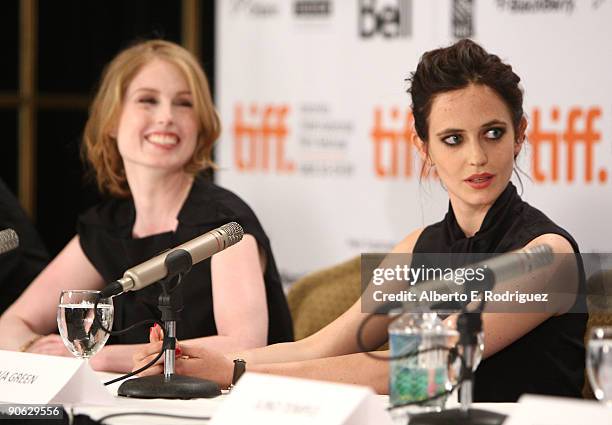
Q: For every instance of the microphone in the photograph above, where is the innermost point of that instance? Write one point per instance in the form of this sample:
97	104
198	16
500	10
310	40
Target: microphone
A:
199	248
8	240
500	269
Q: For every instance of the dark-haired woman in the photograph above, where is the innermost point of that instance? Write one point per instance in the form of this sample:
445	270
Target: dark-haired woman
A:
470	127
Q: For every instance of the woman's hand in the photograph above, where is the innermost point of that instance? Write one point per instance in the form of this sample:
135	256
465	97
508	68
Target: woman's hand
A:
49	344
191	360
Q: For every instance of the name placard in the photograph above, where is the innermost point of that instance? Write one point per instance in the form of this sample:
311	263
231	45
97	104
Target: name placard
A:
39	379
276	400
544	410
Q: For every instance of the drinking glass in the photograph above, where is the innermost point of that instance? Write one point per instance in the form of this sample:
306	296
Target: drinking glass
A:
75	319
599	363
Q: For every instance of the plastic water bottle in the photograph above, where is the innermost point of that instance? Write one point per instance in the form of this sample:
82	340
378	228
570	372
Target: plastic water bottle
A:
424	375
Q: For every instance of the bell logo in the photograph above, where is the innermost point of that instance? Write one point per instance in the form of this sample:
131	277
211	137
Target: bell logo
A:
393	146
564	143
261	141
391	20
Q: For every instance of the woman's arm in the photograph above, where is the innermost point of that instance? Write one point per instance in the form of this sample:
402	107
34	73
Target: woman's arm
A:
331	353
239	298
242	320
337	338
195	360
34	313
357	369
502	329
239	305
33	316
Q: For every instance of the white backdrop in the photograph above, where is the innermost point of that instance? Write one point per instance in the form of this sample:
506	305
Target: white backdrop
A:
316	118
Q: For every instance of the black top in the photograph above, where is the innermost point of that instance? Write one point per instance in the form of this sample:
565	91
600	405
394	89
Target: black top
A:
550	358
105	233
21	265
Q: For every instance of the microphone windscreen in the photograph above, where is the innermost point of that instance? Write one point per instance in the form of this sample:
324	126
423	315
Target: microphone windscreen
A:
539	256
232	232
8	240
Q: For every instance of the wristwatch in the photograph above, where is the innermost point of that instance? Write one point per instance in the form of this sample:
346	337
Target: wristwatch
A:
239	369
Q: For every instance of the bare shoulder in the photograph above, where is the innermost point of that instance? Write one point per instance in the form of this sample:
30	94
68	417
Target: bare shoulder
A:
557	242
407	244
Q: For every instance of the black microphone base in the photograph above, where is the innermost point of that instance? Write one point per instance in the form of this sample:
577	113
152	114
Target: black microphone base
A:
177	386
458	417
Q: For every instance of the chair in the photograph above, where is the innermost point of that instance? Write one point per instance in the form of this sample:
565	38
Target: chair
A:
320	297
599	302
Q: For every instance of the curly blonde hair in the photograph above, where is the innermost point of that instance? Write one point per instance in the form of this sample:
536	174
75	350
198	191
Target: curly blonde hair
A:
99	147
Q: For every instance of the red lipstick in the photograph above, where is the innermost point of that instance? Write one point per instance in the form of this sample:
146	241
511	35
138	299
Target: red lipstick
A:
480	181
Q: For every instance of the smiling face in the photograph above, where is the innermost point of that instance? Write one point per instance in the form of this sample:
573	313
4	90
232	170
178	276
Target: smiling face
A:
472	143
157	127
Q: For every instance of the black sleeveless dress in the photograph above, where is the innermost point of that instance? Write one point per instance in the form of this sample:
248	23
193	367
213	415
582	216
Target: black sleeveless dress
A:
550	358
105	234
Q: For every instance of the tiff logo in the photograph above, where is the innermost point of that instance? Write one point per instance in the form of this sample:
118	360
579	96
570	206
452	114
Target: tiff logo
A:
579	131
393	147
260	134
391	20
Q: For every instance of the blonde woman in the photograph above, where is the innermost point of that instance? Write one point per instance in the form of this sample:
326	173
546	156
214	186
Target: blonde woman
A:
150	132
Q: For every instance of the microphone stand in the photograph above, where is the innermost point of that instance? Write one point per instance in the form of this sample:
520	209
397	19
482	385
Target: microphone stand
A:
170	303
469	325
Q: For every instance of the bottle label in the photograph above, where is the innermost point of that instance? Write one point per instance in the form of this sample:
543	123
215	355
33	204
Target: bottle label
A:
421	376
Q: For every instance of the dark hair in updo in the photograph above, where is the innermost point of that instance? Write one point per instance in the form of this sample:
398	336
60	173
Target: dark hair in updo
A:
455	67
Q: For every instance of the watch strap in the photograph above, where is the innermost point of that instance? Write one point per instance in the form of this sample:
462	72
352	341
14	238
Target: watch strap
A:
239	369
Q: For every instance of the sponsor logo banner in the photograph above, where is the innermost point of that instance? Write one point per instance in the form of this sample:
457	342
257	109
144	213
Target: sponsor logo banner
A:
387	19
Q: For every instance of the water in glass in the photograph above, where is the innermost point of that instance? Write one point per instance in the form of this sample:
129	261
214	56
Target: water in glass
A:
75	318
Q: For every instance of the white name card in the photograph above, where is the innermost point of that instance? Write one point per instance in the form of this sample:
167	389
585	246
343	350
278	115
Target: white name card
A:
543	410
276	400
39	379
